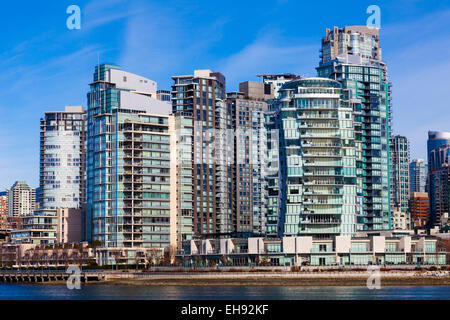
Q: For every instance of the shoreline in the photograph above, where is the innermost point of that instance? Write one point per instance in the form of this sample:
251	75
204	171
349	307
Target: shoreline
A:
272	279
279	282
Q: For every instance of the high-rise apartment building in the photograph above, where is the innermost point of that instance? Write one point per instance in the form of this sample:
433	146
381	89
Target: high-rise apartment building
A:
438	148
128	163
201	113
419	207
418	173
182	173
399	157
435	140
248	172
21	199
439	182
314	190
62	161
352	56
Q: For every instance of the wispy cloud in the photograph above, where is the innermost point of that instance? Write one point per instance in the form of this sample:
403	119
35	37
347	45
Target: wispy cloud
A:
102	12
417	54
268	55
159	43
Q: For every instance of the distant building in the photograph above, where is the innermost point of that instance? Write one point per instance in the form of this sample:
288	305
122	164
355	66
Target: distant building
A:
435	140
255	90
439	181
418	173
62	165
419	206
21	199
400	219
274	82
399	165
3	211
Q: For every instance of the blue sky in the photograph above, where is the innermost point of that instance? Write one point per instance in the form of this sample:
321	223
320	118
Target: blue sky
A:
45	66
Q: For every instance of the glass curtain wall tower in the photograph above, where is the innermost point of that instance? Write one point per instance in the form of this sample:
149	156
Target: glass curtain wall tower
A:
352	56
62	164
315	191
438	146
418	172
128	161
399	151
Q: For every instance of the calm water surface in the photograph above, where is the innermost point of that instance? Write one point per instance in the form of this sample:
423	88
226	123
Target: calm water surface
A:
98	292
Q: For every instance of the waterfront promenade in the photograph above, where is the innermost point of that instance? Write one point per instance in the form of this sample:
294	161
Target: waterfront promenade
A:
235	277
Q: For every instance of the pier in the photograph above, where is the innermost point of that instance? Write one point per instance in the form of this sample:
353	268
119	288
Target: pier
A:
39	276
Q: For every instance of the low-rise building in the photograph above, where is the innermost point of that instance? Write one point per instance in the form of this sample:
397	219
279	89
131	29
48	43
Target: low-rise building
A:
369	249
50	226
34	255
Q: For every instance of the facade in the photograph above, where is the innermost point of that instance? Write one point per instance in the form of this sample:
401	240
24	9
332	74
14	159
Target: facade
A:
439	180
40	227
182	173
419	207
435	140
49	226
399	166
352	56
200	111
400	219
248	172
375	249
43	255
13	223
3	211
273	83
312	187
399	157
21	199
164	95
62	165
418	173
128	162
256	90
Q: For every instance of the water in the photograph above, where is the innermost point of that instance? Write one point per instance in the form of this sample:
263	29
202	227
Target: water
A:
123	292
